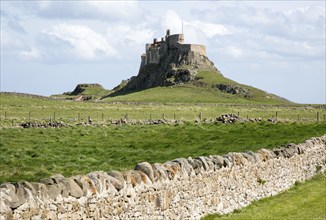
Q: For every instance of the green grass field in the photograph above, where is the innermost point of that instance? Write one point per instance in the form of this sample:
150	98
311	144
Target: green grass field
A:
31	154
302	202
17	108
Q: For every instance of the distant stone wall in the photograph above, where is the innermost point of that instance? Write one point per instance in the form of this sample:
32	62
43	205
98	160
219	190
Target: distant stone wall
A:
179	189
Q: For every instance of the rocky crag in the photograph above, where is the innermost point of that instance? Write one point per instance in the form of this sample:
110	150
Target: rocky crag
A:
169	62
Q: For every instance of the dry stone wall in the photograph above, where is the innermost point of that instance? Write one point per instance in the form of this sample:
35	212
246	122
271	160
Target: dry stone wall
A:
185	188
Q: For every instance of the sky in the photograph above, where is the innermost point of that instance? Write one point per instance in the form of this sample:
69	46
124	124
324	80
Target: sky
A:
48	47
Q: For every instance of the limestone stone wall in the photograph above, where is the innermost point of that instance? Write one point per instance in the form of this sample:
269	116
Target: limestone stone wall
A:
185	188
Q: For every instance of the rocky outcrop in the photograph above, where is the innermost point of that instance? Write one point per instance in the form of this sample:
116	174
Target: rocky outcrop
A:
175	67
234	89
80	88
184	188
54	124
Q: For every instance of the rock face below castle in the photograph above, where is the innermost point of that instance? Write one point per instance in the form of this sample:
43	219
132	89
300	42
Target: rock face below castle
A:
168	62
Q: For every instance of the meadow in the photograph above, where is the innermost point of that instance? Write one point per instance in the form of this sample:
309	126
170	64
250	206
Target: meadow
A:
34	153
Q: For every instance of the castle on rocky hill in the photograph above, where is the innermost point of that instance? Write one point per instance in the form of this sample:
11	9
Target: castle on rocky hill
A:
168	62
156	50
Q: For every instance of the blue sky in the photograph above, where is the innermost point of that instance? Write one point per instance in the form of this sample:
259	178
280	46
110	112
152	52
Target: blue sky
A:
48	47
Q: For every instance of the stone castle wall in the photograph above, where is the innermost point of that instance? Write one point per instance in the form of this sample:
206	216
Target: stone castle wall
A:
197	48
155	51
175	40
185	188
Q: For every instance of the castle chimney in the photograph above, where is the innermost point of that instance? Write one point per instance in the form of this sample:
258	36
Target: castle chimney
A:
162	39
155	40
168	32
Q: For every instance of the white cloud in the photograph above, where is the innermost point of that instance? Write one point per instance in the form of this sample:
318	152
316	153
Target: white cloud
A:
122	10
129	40
306	14
171	20
11	21
31	54
209	29
130	35
267	34
196	31
11	43
78	41
234	51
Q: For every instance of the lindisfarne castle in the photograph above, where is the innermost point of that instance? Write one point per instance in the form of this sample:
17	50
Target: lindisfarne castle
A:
169	61
156	50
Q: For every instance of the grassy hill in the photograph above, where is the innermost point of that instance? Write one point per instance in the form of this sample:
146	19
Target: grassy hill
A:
85	92
209	87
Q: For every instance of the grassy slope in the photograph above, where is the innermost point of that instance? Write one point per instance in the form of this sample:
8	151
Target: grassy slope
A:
31	154
192	93
303	201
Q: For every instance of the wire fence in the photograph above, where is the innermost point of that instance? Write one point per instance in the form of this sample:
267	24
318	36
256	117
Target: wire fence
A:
8	119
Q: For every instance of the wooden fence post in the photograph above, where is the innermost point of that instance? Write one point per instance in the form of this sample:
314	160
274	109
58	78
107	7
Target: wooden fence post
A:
200	116
53	116
78	117
174	116
238	114
317	116
5	115
89	120
163	116
276	115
